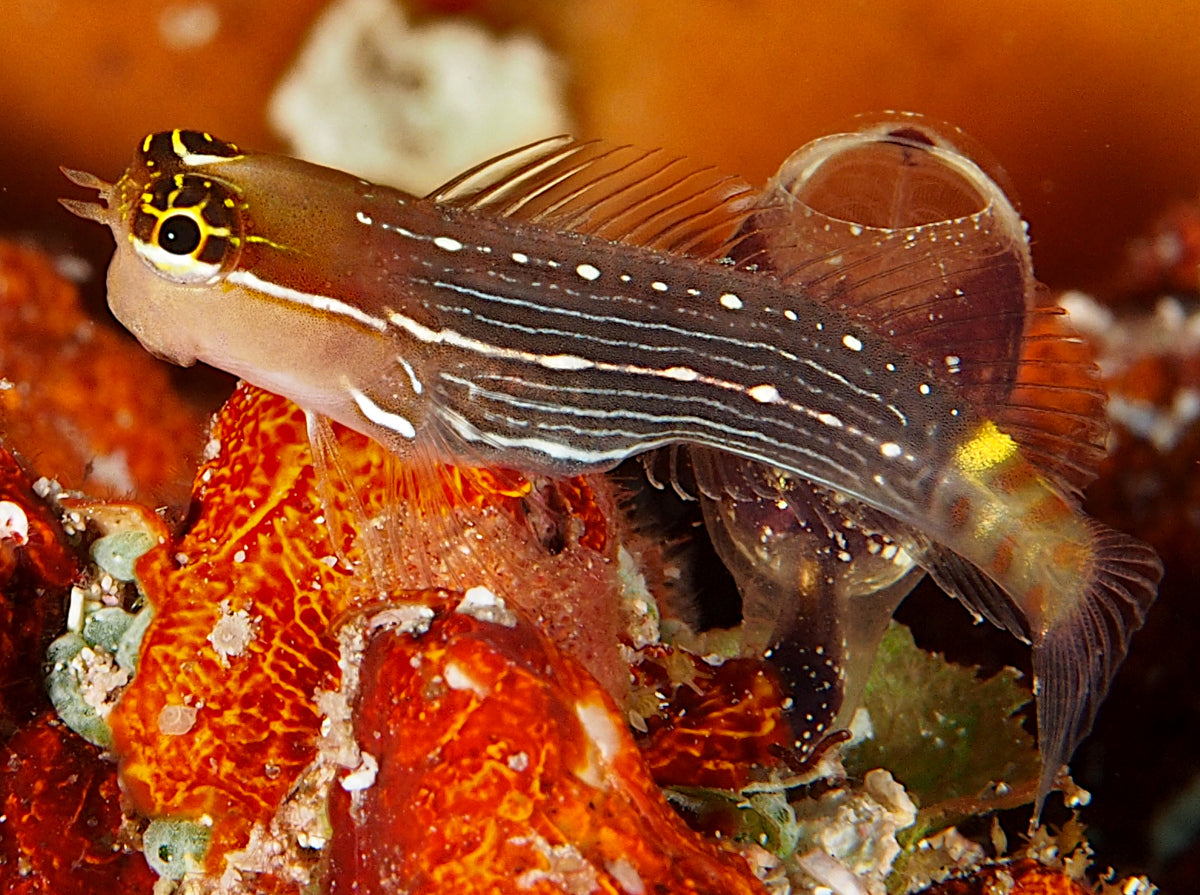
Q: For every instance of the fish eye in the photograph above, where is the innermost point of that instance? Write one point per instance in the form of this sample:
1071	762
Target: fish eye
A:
187	227
179	234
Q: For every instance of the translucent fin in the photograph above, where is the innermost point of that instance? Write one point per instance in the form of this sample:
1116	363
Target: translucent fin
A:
639	197
357	543
967	583
391	519
693	472
1074	661
1055	405
791	611
896	226
716	473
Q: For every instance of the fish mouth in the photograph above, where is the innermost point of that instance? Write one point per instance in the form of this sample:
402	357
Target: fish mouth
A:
99	209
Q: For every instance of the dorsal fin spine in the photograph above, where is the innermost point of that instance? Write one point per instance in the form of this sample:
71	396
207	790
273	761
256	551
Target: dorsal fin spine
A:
581	217
626	235
454	190
620	194
665	227
522	199
689	240
587	186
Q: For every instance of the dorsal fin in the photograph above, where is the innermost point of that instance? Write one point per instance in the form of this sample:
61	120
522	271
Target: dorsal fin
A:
898	228
640	197
892	224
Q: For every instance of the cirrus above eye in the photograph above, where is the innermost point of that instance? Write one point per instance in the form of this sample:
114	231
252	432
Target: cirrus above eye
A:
179	234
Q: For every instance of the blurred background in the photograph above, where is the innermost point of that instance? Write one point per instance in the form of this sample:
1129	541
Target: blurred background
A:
1089	109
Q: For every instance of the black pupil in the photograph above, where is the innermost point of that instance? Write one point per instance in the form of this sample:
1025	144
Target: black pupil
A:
179	235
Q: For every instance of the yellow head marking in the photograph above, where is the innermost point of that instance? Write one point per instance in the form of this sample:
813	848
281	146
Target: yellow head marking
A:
987	448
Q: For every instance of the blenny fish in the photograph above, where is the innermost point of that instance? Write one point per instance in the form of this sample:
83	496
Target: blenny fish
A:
571	304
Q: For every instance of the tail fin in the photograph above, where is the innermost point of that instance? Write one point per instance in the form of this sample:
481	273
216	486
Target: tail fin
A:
1075	661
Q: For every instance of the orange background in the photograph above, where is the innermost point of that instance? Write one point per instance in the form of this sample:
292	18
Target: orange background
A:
1090	106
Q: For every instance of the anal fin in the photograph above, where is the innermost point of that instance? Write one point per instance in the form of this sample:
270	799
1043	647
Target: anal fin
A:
979	594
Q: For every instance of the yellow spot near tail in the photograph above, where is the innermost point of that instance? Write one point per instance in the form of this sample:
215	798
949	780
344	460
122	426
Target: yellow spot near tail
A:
987	448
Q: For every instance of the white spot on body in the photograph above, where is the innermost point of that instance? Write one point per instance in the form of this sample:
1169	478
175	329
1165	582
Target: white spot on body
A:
681	374
363	218
890	449
731	301
830	420
447	243
790	315
852	342
520	257
764	394
923	388
659	286
588	271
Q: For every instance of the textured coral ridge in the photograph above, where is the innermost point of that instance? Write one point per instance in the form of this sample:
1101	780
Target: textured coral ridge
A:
251	556
62	814
504	767
35	568
223	714
721	726
1025	877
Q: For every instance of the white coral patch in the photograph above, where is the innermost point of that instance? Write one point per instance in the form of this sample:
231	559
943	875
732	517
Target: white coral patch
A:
483	605
232	634
414	106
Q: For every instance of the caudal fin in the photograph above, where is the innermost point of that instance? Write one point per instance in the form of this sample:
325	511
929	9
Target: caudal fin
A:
1075	661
